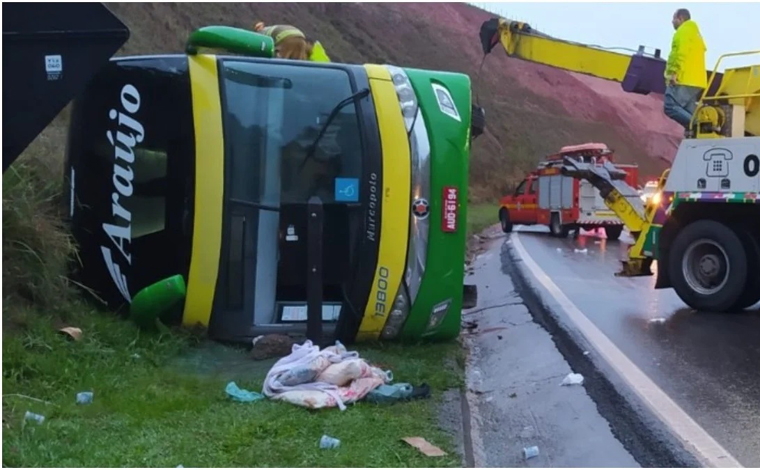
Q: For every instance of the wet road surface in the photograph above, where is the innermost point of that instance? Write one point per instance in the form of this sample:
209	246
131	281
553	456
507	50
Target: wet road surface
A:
709	364
514	375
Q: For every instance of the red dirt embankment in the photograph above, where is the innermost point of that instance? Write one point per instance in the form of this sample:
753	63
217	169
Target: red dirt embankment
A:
531	110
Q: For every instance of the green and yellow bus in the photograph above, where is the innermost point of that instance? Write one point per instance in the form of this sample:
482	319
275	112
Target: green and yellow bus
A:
202	165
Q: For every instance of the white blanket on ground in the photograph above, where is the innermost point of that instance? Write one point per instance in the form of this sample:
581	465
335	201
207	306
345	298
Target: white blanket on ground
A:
326	378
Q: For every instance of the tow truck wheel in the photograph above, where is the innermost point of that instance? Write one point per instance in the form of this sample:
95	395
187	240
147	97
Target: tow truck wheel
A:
751	294
708	266
557	229
613	231
506	224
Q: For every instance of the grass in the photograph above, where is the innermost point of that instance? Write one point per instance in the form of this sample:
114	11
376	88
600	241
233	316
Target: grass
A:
156	403
480	217
149	411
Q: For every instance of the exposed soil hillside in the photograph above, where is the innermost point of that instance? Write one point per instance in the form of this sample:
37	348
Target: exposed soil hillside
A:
532	110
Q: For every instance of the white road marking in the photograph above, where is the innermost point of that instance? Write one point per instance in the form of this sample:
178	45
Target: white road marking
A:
694	438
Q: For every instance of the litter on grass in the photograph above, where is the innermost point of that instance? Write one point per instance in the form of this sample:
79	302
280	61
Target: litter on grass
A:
424	446
327	442
29	416
84	398
326	378
241	395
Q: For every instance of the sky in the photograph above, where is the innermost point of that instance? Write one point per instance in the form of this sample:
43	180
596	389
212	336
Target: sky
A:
725	27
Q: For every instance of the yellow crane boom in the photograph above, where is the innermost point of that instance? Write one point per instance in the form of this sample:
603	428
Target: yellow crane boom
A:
728	108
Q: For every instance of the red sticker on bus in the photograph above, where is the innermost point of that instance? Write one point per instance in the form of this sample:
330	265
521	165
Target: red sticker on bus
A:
450	209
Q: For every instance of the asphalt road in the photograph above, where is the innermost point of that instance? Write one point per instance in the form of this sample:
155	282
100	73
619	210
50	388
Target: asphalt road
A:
514	394
708	364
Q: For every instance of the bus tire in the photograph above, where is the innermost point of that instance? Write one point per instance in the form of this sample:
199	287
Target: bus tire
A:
708	266
506	223
556	228
613	232
751	294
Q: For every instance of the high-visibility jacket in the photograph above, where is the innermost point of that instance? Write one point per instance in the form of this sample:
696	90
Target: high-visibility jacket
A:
282	32
687	56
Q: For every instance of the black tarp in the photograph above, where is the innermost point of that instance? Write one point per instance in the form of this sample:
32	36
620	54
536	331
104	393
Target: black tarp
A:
50	53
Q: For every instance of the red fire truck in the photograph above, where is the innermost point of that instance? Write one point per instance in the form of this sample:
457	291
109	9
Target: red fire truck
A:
562	203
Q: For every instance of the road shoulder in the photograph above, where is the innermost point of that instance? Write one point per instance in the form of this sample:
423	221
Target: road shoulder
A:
514	394
635	424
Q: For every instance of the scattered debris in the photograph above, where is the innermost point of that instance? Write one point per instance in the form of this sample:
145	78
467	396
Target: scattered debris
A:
657	320
341	377
18	395
527	433
238	394
73	332
271	346
29	416
487	330
513	395
584	251
328	442
84	398
530	452
572	379
424	446
398	392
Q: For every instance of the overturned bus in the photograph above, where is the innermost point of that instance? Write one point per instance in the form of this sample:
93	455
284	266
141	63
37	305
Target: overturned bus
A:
207	167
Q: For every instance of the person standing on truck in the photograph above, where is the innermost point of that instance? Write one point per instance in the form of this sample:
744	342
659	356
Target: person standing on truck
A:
685	71
291	43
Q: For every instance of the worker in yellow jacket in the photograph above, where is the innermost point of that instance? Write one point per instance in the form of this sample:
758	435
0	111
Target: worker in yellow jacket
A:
291	43
685	71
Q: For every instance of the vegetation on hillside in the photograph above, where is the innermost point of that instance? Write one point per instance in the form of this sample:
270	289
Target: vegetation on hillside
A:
522	126
145	414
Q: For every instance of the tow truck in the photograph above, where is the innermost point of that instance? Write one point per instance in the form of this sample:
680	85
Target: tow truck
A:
702	226
225	188
545	197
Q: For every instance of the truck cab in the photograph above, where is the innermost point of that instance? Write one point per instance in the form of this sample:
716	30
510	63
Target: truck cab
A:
522	203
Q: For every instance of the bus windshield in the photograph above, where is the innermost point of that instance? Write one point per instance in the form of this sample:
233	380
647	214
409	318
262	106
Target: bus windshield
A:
272	115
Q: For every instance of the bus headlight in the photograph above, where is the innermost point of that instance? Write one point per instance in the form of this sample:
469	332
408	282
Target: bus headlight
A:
406	97
419	221
398	315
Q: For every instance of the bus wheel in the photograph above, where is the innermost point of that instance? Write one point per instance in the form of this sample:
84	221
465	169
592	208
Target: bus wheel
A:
751	294
708	266
506	224
613	231
557	229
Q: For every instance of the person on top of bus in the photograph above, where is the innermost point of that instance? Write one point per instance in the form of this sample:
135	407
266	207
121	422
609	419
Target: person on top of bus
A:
291	43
